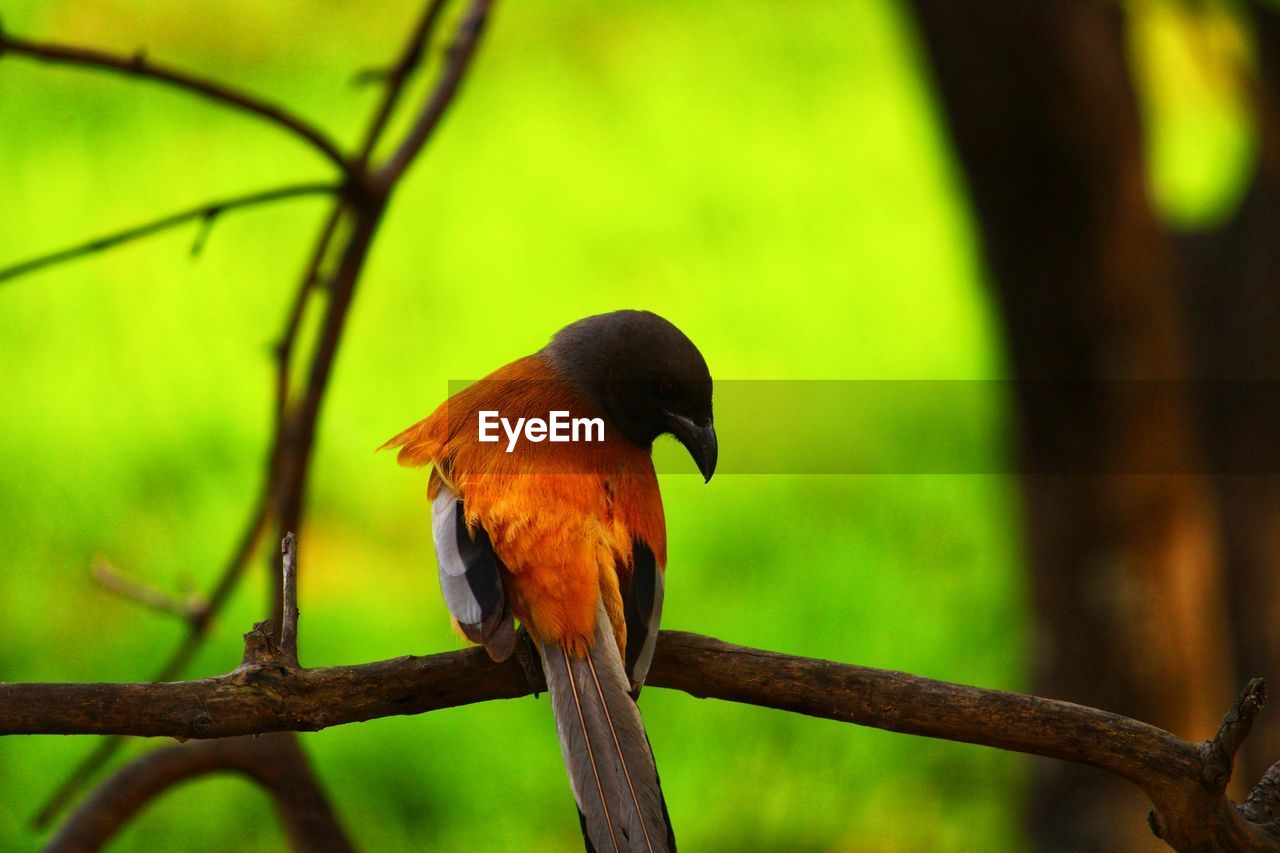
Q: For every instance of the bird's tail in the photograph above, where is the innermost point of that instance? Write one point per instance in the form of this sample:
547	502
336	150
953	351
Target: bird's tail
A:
605	749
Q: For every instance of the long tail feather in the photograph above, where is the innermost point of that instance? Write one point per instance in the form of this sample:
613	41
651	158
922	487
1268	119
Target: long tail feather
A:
605	749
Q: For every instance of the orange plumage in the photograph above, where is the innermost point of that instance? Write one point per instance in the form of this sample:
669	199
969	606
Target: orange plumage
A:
563	519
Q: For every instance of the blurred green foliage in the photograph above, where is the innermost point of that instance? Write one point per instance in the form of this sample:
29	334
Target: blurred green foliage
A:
771	177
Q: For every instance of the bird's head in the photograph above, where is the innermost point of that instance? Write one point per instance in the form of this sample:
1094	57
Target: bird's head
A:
645	376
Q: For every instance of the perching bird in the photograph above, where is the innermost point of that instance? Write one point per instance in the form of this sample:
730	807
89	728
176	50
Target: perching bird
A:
568	537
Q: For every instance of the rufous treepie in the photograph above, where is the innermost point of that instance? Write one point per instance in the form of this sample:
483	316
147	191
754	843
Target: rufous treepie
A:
558	524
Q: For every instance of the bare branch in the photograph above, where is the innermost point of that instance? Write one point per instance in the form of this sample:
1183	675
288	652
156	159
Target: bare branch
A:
297	433
139	66
466	39
1220	753
206	212
266	694
289	458
274	761
293	320
395	78
107	747
112	580
398	75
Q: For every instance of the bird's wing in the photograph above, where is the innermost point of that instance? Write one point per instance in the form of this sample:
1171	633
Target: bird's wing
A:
471	577
642	606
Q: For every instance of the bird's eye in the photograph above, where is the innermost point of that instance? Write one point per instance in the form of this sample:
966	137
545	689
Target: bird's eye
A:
668	390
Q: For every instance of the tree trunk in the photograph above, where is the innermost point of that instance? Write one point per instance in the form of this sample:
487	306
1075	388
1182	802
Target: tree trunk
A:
1120	524
1233	289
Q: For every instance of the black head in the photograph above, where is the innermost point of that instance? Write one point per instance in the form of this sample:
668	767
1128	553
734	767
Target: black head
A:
646	377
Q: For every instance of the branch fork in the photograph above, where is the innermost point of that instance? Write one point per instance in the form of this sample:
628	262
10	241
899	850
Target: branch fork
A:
1252	825
359	197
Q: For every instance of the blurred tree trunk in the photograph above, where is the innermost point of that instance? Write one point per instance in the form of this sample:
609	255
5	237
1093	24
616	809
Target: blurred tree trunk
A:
1233	289
1125	569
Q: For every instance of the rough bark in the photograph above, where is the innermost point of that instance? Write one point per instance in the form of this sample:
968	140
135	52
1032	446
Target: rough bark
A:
1185	781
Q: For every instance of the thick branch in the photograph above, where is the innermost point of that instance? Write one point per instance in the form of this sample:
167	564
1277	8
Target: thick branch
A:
139	66
268	694
274	761
206	212
914	705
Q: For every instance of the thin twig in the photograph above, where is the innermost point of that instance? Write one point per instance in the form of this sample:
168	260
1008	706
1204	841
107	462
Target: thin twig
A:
297	433
293	320
206	212
139	65
463	48
289	585
399	74
112	580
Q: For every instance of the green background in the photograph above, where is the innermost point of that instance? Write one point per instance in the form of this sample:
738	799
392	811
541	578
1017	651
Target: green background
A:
772	177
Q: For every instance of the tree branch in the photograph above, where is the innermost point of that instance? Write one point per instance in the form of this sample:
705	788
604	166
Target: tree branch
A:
266	694
396	78
399	74
466	39
274	762
311	276
289	575
362	205
177	662
207	212
1263	804
113	581
296	436
139	66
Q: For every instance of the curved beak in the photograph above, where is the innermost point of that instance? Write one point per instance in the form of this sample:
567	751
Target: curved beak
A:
700	441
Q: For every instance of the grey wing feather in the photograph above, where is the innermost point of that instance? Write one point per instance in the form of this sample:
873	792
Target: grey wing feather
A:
605	749
642	606
471	577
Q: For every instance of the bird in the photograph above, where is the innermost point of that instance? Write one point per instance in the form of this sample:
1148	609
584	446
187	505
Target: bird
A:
568	538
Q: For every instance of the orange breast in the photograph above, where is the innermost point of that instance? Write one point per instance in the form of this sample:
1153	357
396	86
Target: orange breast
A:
561	516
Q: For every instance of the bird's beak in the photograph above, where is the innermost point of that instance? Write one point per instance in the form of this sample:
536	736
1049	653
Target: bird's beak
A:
700	441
